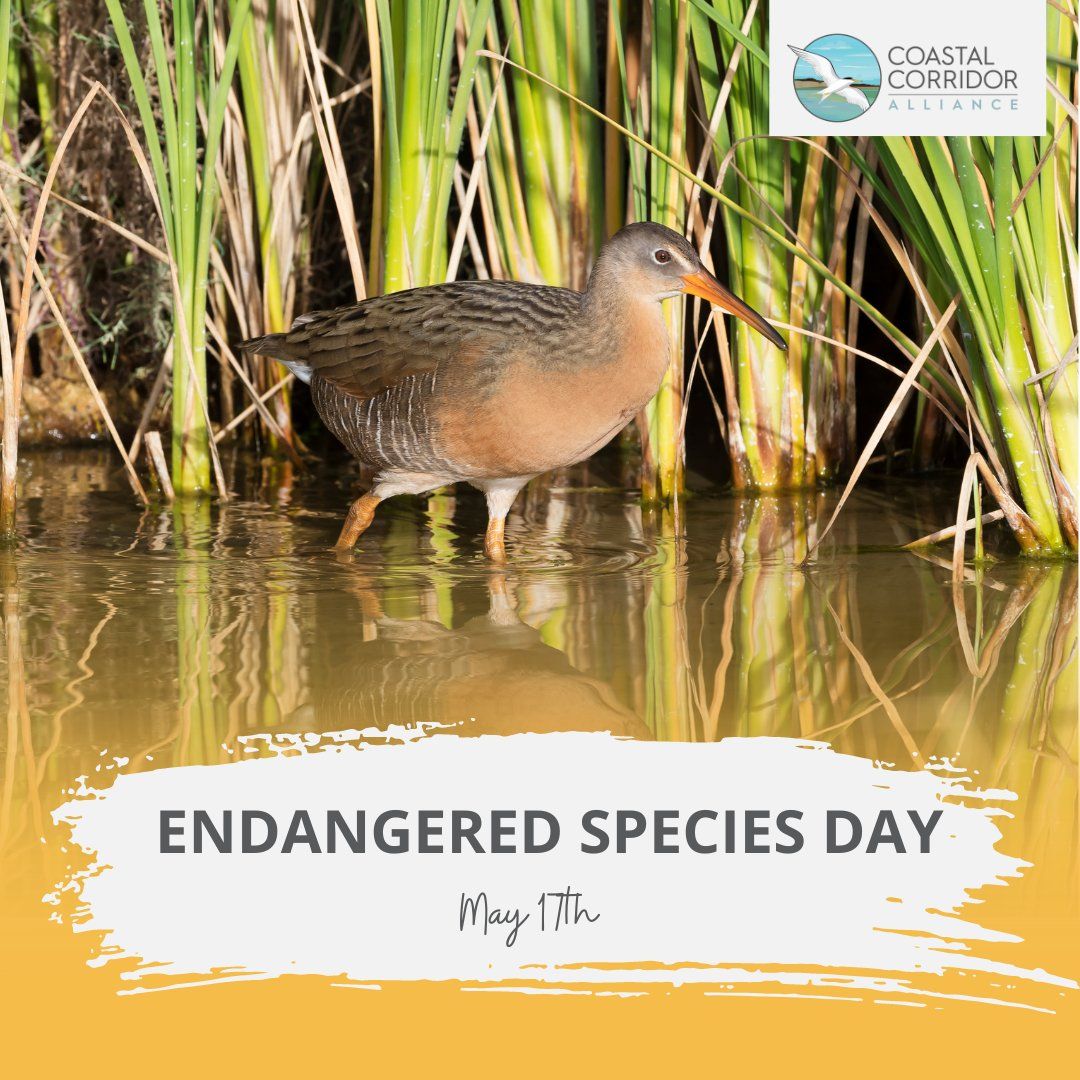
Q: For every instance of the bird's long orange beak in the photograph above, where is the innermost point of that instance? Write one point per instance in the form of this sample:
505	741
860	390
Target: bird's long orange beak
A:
703	284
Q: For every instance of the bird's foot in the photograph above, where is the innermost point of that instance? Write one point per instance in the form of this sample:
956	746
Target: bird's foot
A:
361	515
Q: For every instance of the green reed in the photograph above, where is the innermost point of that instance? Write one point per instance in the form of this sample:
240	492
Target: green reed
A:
183	156
790	416
9	74
257	71
994	221
425	99
42	20
543	166
655	84
28	71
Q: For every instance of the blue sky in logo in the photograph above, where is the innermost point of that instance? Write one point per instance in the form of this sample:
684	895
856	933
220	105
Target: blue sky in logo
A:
850	57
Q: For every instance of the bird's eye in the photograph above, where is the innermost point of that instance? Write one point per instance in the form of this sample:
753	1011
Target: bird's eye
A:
662	255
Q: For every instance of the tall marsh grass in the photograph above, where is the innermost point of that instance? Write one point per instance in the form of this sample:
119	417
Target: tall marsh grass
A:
993	221
508	139
183	154
654	62
790	416
425	100
263	173
543	197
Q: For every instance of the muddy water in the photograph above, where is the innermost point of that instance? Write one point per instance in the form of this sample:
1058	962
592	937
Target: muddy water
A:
176	637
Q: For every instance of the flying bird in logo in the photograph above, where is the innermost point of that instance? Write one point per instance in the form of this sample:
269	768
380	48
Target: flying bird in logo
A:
842	88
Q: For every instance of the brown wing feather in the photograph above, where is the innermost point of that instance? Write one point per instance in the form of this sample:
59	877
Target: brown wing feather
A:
365	348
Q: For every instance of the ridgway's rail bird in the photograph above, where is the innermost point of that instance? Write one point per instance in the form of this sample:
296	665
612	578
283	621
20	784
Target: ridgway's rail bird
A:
495	382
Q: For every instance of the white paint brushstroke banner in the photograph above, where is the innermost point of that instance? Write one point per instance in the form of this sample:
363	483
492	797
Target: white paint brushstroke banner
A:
865	919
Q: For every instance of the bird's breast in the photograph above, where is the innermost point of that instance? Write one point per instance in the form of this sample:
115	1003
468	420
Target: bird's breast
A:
558	401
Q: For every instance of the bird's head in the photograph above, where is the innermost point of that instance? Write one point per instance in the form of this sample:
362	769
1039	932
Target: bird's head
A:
653	261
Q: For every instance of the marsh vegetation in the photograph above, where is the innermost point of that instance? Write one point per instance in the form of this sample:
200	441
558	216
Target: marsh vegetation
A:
176	177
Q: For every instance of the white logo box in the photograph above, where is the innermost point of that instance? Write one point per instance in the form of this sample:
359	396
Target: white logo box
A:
947	67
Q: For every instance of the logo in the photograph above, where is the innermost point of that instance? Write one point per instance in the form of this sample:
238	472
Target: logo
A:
920	67
837	77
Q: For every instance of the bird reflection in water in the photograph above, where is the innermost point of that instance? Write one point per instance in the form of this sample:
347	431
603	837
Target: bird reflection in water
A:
491	675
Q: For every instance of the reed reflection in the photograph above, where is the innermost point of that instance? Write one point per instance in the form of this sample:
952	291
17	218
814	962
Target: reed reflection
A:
163	639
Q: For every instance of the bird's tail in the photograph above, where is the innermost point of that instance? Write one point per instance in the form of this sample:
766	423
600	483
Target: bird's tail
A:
276	346
268	345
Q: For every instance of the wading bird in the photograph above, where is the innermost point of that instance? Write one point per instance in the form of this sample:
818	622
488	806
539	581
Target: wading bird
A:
495	382
842	88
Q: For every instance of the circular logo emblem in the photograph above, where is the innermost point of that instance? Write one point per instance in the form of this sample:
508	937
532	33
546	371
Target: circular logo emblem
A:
837	77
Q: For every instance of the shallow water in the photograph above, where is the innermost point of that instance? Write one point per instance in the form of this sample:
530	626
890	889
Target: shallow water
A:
181	629
172	637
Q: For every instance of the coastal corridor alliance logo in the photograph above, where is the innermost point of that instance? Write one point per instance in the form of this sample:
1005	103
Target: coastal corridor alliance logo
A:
922	67
837	77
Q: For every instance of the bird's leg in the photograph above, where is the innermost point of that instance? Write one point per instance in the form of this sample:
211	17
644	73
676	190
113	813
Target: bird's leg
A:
494	543
500	495
361	515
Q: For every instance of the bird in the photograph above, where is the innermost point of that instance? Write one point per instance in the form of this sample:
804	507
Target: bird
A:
495	382
842	88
